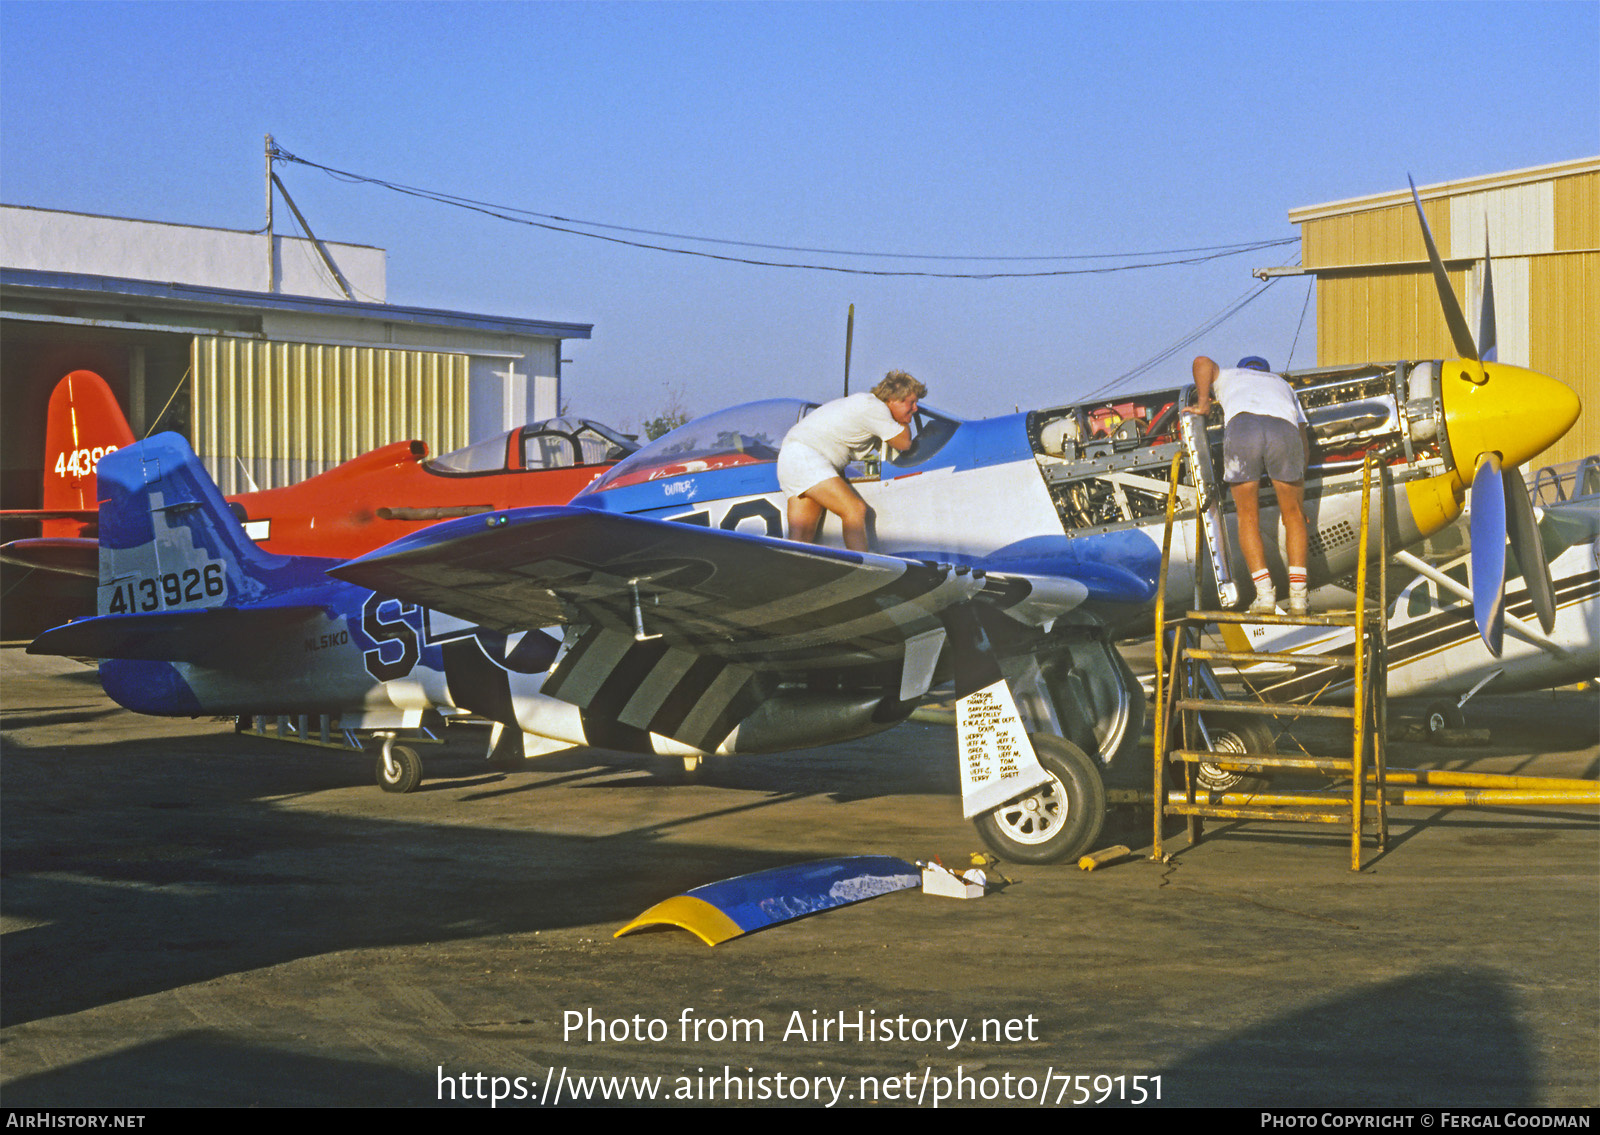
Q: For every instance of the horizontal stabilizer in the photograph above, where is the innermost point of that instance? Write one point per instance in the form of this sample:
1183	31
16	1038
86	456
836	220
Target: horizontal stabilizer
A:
170	636
69	555
1573	522
83	515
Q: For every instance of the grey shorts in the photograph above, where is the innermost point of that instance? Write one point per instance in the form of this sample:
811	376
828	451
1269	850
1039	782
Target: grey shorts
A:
1254	444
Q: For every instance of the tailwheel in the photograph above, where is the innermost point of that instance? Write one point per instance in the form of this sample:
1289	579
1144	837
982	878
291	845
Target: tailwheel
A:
1234	733
399	768
1059	819
1444	715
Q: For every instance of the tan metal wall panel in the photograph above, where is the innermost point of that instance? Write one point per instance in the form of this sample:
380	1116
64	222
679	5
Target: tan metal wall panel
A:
1566	344
1392	315
1374	236
268	414
1577	212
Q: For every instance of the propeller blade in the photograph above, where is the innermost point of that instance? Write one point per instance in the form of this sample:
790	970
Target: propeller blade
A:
1529	548
1488	503
1460	333
1488	349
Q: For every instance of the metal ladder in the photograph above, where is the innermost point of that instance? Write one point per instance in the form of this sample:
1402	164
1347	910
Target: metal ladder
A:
1186	688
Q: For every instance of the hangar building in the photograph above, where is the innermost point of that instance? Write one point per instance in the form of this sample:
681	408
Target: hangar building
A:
249	345
273	378
1376	297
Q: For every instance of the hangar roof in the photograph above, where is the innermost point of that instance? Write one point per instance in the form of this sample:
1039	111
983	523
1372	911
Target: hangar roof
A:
198	301
1445	189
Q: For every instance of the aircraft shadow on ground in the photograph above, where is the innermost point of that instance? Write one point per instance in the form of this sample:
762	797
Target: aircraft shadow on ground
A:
199	1069
1432	1038
140	866
1435	1038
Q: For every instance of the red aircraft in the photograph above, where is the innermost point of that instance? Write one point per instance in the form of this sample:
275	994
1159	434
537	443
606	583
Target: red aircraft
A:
342	513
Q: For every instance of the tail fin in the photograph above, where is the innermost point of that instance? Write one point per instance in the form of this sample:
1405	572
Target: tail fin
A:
179	581
168	541
83	424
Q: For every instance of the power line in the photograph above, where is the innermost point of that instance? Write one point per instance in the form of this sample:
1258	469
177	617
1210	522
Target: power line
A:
1227	313
1182	256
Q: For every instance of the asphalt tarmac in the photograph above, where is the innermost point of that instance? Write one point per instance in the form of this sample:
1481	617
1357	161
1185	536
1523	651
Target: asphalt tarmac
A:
192	917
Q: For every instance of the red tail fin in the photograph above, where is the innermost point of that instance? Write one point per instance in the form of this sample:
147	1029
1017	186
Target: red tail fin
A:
84	424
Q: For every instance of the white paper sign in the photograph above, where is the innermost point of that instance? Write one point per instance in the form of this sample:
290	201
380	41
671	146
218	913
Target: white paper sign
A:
997	759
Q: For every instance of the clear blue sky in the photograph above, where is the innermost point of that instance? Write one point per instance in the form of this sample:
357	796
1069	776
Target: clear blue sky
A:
995	129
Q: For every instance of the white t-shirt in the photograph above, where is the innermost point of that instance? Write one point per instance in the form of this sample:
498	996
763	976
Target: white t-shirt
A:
846	428
1245	391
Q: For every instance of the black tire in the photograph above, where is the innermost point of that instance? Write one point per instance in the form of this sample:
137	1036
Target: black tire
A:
408	772
1445	715
1058	820
1234	733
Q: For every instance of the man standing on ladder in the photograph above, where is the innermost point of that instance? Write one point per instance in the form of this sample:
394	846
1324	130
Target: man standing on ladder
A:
1260	419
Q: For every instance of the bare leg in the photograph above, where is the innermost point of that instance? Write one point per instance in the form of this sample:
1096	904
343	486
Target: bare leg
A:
836	495
1291	506
804	517
1247	500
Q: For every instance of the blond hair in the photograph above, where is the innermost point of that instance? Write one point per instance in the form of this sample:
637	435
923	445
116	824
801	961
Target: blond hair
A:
897	384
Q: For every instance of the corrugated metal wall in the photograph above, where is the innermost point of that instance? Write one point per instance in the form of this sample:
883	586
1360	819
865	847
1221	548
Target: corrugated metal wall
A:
1566	294
275	413
1544	235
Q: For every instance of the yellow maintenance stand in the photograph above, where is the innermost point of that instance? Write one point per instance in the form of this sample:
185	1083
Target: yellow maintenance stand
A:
1186	691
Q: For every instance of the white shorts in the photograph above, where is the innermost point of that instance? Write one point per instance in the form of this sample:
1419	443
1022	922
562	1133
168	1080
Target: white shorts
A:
800	468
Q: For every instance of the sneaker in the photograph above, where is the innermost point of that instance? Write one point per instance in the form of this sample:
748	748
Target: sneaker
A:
1297	604
1265	602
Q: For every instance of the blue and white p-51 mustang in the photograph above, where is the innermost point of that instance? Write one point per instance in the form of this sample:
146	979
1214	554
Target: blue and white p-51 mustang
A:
662	611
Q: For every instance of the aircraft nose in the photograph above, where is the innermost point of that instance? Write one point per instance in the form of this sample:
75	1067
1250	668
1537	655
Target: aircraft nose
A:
1506	409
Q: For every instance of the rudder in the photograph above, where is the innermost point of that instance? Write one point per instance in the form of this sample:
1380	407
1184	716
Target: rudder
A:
168	541
82	425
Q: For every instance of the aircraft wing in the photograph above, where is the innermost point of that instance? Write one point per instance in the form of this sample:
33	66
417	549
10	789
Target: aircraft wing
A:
740	597
685	628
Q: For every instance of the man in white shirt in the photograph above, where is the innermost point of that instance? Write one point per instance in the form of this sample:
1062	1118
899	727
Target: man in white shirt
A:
815	451
1264	432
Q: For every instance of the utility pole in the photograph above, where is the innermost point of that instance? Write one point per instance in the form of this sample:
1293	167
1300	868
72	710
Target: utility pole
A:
849	335
321	250
271	281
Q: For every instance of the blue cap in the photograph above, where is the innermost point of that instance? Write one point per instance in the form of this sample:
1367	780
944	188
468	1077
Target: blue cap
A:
1253	362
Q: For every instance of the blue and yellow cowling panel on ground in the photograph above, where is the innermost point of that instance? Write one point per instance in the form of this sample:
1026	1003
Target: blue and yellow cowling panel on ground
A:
727	909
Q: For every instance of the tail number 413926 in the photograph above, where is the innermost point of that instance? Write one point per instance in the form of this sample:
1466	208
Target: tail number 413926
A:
166	592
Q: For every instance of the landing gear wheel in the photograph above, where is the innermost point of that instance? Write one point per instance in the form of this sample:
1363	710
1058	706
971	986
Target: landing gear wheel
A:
1234	733
1445	715
1057	820
399	769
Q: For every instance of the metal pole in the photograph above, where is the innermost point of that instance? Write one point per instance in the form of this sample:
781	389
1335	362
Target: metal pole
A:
849	337
1161	603
1358	787
327	261
1380	739
270	280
